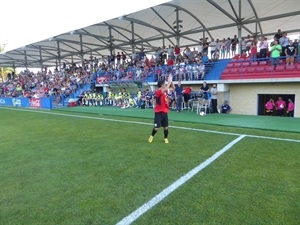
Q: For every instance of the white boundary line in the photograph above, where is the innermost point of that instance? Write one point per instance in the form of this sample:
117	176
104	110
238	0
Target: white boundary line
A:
151	124
162	195
167	191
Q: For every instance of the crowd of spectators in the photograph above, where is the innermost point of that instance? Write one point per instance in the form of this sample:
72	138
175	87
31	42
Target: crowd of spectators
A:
57	84
183	63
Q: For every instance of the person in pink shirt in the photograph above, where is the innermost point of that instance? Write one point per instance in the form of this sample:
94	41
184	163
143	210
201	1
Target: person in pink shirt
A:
290	108
280	106
270	106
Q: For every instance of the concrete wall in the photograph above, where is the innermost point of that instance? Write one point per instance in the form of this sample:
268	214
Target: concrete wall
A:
243	97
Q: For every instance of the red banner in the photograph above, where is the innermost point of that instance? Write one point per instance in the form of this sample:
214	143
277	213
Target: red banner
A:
35	102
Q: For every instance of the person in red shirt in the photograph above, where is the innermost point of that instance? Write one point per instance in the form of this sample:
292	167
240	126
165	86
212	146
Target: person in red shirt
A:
187	96
176	51
161	108
170	61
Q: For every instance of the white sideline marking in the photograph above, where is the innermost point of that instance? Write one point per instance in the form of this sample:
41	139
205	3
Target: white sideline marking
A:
151	124
158	198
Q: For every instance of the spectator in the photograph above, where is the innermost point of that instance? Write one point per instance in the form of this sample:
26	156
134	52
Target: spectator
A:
263	46
253	51
275	53
290	108
187	96
178	96
270	106
284	41
234	43
223	48
280	106
227	49
225	107
278	35
248	41
291	53
214	97
176	52
212	46
204	89
205	58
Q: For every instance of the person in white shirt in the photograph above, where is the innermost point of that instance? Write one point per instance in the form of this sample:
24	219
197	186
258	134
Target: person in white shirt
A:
214	96
248	41
284	41
200	48
212	46
263	46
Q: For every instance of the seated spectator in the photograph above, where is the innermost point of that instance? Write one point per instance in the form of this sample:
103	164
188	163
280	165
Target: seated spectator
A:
205	58
225	107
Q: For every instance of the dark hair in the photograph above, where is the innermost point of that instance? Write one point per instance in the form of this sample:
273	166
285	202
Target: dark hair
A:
160	83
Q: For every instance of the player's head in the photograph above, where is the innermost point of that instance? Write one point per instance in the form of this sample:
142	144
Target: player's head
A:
160	83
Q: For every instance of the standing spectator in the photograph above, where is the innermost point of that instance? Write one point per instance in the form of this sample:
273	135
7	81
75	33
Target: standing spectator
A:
234	43
253	51
280	106
204	89
187	96
200	48
170	51
248	41
212	46
296	43
170	61
176	52
205	48
214	97
243	45
291	53
123	57
263	46
275	53
227	49
161	109
284	41
178	96
290	108
223	48
278	35
118	60
270	106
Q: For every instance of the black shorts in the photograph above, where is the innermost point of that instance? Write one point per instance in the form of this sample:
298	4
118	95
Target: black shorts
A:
161	120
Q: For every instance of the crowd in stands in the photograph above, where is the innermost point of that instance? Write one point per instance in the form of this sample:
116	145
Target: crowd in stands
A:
183	63
44	84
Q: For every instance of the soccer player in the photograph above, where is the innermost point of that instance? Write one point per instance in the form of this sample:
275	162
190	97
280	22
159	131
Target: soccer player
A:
161	108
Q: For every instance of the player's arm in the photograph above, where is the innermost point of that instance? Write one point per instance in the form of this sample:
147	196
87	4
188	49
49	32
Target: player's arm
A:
166	87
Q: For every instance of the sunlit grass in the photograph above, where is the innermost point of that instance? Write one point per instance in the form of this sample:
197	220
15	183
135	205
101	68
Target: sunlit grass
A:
68	170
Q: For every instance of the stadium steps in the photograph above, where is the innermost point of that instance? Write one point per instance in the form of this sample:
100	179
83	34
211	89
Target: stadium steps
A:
216	70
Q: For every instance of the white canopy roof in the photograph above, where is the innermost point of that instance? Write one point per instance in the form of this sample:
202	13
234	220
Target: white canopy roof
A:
182	22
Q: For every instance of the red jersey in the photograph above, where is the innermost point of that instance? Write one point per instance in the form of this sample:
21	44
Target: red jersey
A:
187	90
161	101
177	50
